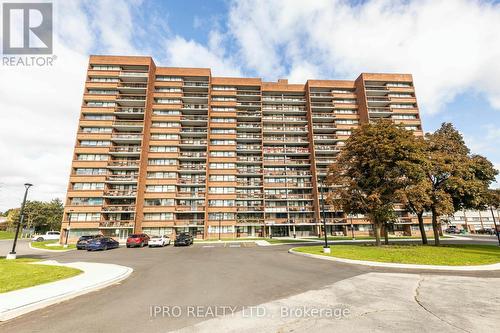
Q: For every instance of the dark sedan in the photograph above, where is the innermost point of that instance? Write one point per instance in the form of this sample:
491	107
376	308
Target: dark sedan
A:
183	239
102	243
84	240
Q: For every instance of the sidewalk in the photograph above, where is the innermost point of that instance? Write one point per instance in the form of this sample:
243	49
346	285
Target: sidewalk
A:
95	276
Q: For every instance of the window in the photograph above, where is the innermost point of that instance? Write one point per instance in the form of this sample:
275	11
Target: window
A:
91	157
223	120
98	117
161	175
87	201
223	88
221	216
402	106
90	171
96	129
223	153
346	121
104	79
344	132
100	104
166	112
168	78
223	109
224	99
160	188
87	143
84	217
105	68
342	91
158	216
223	131
221	203
398	84
88	186
103	92
165	124
222	190
168	89
224	229
345	111
163	149
161	161
404	116
159	202
162	136
222	178
168	101
222	166
223	142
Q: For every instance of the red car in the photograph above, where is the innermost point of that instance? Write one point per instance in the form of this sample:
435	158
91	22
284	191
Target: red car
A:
137	240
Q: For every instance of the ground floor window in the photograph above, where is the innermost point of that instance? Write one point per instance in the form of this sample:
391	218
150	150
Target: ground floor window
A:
158	231
224	229
83	232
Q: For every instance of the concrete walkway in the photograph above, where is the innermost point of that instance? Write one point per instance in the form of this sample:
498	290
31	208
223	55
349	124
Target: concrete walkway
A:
375	302
94	277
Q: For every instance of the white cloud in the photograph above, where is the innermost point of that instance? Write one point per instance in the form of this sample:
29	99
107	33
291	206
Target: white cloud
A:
188	53
40	106
450	46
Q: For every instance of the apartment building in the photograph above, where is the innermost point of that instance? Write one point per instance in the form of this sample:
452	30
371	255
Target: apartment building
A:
168	150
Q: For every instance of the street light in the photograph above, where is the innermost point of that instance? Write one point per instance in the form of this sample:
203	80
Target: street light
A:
68	228
12	254
326	248
497	232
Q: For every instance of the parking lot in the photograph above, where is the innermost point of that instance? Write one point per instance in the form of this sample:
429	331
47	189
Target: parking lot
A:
206	274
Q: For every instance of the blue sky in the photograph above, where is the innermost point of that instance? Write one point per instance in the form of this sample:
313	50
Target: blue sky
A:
451	47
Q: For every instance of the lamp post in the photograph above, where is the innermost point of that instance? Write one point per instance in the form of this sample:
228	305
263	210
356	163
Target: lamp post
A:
12	254
68	228
219	227
326	248
497	232
352	229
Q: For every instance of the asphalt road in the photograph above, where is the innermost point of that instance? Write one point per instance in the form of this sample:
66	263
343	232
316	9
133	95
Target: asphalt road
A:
200	275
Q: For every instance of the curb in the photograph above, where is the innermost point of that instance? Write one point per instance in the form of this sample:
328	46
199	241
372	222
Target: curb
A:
21	310
492	267
47	250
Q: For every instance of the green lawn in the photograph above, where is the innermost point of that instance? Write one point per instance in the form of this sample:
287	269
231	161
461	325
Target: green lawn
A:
382	237
43	245
19	273
452	255
6	235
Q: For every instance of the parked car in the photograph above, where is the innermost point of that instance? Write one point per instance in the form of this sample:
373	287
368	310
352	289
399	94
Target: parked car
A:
183	239
162	240
486	231
137	240
82	242
102	243
49	235
452	230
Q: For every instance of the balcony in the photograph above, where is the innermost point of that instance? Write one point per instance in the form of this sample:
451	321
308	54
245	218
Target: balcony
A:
119	208
120	193
193	155
191	194
131	100
133	76
127	137
322	106
200	84
193	208
123	164
192	181
125	150
128	125
117	224
133	87
129	113
131	178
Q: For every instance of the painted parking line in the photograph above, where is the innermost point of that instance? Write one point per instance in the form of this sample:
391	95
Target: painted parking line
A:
208	246
235	245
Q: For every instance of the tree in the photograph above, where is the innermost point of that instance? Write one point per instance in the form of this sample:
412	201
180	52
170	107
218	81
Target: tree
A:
457	179
417	199
39	215
371	170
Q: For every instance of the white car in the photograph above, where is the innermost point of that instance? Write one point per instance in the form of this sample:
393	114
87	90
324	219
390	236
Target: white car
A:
162	240
49	235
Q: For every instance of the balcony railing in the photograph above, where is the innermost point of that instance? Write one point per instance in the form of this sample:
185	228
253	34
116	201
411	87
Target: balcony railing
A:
126	136
130	177
119	208
125	149
120	193
125	163
130	110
